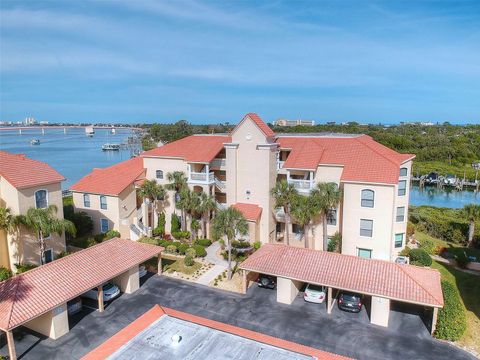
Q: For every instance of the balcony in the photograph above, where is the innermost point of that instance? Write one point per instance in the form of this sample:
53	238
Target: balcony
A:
218	163
201	177
220	184
280	164
221	206
301	185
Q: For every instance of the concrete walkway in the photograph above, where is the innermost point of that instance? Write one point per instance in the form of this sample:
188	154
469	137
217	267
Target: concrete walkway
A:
211	274
220	264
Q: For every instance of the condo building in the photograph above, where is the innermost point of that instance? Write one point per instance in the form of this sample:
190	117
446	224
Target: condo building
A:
240	169
26	183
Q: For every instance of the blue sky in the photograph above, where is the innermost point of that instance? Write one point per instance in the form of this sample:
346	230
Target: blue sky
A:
213	61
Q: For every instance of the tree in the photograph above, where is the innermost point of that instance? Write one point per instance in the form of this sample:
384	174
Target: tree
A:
189	204
207	205
152	191
472	213
284	193
228	223
304	210
8	221
328	196
177	181
45	222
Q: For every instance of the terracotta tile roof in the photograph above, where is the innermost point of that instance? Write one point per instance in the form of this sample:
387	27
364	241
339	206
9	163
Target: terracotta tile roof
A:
112	180
37	291
125	335
23	172
195	148
251	212
387	279
362	158
261	125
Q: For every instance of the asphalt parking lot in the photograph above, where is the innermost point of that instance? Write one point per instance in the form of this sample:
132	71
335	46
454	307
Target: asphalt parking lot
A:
343	333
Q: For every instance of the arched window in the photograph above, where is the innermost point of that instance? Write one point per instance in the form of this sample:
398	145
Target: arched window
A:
103	202
403	171
41	201
159	174
368	198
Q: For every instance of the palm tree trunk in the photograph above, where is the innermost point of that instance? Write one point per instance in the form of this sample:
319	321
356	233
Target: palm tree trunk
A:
325	235
471	231
305	230
229	273
287	222
42	247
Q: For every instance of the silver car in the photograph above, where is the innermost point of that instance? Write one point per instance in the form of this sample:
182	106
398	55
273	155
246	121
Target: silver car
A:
110	291
315	294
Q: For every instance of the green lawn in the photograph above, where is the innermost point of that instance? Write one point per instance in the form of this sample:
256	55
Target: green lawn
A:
452	248
179	266
443	168
469	288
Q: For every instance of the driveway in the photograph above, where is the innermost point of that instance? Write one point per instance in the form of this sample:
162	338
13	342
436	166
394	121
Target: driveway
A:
304	323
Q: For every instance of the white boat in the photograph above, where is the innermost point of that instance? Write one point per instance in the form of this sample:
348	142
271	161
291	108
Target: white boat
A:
114	147
89	131
450	180
35	142
113	131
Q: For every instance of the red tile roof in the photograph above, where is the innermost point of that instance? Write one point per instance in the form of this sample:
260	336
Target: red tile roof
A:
250	212
112	180
362	158
195	148
381	278
125	335
259	122
33	293
23	172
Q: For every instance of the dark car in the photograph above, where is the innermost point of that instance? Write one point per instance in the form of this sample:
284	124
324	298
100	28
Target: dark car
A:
350	302
74	306
267	281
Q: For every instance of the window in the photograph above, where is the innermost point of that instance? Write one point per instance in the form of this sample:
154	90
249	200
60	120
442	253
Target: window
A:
103	225
86	200
402	187
403	171
332	217
103	202
41	201
366	227
47	256
365	253
400	214
368	198
398	240
159	174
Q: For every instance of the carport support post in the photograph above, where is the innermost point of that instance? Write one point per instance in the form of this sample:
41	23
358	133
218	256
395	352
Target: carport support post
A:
159	265
329	300
100	298
434	319
244	281
11	345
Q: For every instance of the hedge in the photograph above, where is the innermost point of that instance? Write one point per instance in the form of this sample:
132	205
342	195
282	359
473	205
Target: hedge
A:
452	319
5	273
191	252
181	234
204	242
171	249
182	248
420	257
188	261
200	250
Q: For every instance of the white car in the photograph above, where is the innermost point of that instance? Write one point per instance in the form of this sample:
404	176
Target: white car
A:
315	294
142	271
110	291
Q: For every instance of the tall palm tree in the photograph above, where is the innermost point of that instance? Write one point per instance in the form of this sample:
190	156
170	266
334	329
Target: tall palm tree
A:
328	196
152	191
472	213
177	181
228	223
188	203
45	222
304	210
207	205
283	193
8	221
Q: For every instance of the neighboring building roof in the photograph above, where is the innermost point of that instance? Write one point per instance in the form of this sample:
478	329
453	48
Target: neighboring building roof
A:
195	148
264	128
362	158
251	212
23	172
35	292
381	278
112	180
201	338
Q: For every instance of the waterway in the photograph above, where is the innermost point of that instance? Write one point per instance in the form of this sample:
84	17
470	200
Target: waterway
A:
448	198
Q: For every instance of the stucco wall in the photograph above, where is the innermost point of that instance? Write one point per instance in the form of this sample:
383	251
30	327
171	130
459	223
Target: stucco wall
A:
129	281
402	201
52	324
287	290
380	311
96	213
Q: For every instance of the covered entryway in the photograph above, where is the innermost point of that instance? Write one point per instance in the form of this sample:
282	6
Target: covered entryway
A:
379	281
37	299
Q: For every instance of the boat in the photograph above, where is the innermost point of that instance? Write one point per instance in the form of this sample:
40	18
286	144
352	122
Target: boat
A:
35	142
89	131
450	180
113	131
432	178
114	147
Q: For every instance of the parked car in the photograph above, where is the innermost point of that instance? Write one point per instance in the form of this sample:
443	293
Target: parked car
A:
267	281
314	294
142	271
74	306
110	291
350	302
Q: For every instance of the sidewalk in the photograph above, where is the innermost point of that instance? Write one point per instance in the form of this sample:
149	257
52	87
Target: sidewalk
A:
220	265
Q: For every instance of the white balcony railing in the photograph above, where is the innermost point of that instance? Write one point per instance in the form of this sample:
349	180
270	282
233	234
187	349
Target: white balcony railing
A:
301	185
218	162
202	178
220	183
280	164
221	206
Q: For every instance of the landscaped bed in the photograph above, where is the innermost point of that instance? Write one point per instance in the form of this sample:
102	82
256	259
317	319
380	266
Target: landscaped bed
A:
235	284
174	266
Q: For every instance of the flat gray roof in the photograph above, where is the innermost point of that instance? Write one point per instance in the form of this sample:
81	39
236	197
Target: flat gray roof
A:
197	342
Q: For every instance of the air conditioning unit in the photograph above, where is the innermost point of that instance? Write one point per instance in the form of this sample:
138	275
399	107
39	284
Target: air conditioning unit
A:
402	260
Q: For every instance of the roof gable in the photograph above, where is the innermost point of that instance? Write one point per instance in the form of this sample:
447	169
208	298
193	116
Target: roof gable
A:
260	124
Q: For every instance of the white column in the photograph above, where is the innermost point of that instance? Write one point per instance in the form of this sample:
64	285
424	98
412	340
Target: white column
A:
287	290
380	311
11	345
434	320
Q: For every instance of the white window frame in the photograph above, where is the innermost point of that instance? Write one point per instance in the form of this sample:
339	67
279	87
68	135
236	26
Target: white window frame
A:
367	236
372	200
358	253
403	215
106	205
46	198
156	174
43	255
89	202
395	242
404	190
101	227
406	171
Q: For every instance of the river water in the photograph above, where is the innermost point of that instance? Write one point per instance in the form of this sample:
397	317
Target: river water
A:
449	198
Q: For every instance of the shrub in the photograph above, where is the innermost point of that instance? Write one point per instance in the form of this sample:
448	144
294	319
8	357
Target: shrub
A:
405	251
160	229
148	240
452	321
188	261
63	254
427	245
175	223
110	234
256	245
182	248
240	244
171	249
165	243
462	260
200	250
420	257
83	223
410	229
181	234
5	273
204	242
191	252
21	268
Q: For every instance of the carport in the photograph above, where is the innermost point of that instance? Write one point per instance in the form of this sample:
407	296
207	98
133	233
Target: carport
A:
383	280
37	299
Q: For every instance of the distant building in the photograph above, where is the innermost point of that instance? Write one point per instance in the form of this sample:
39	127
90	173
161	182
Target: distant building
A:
29	121
5	123
286	122
43	122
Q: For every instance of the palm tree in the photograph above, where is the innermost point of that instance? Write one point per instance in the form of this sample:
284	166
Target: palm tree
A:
8	221
472	213
189	204
304	210
194	226
207	205
228	223
177	181
44	222
328	196
152	191
283	193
